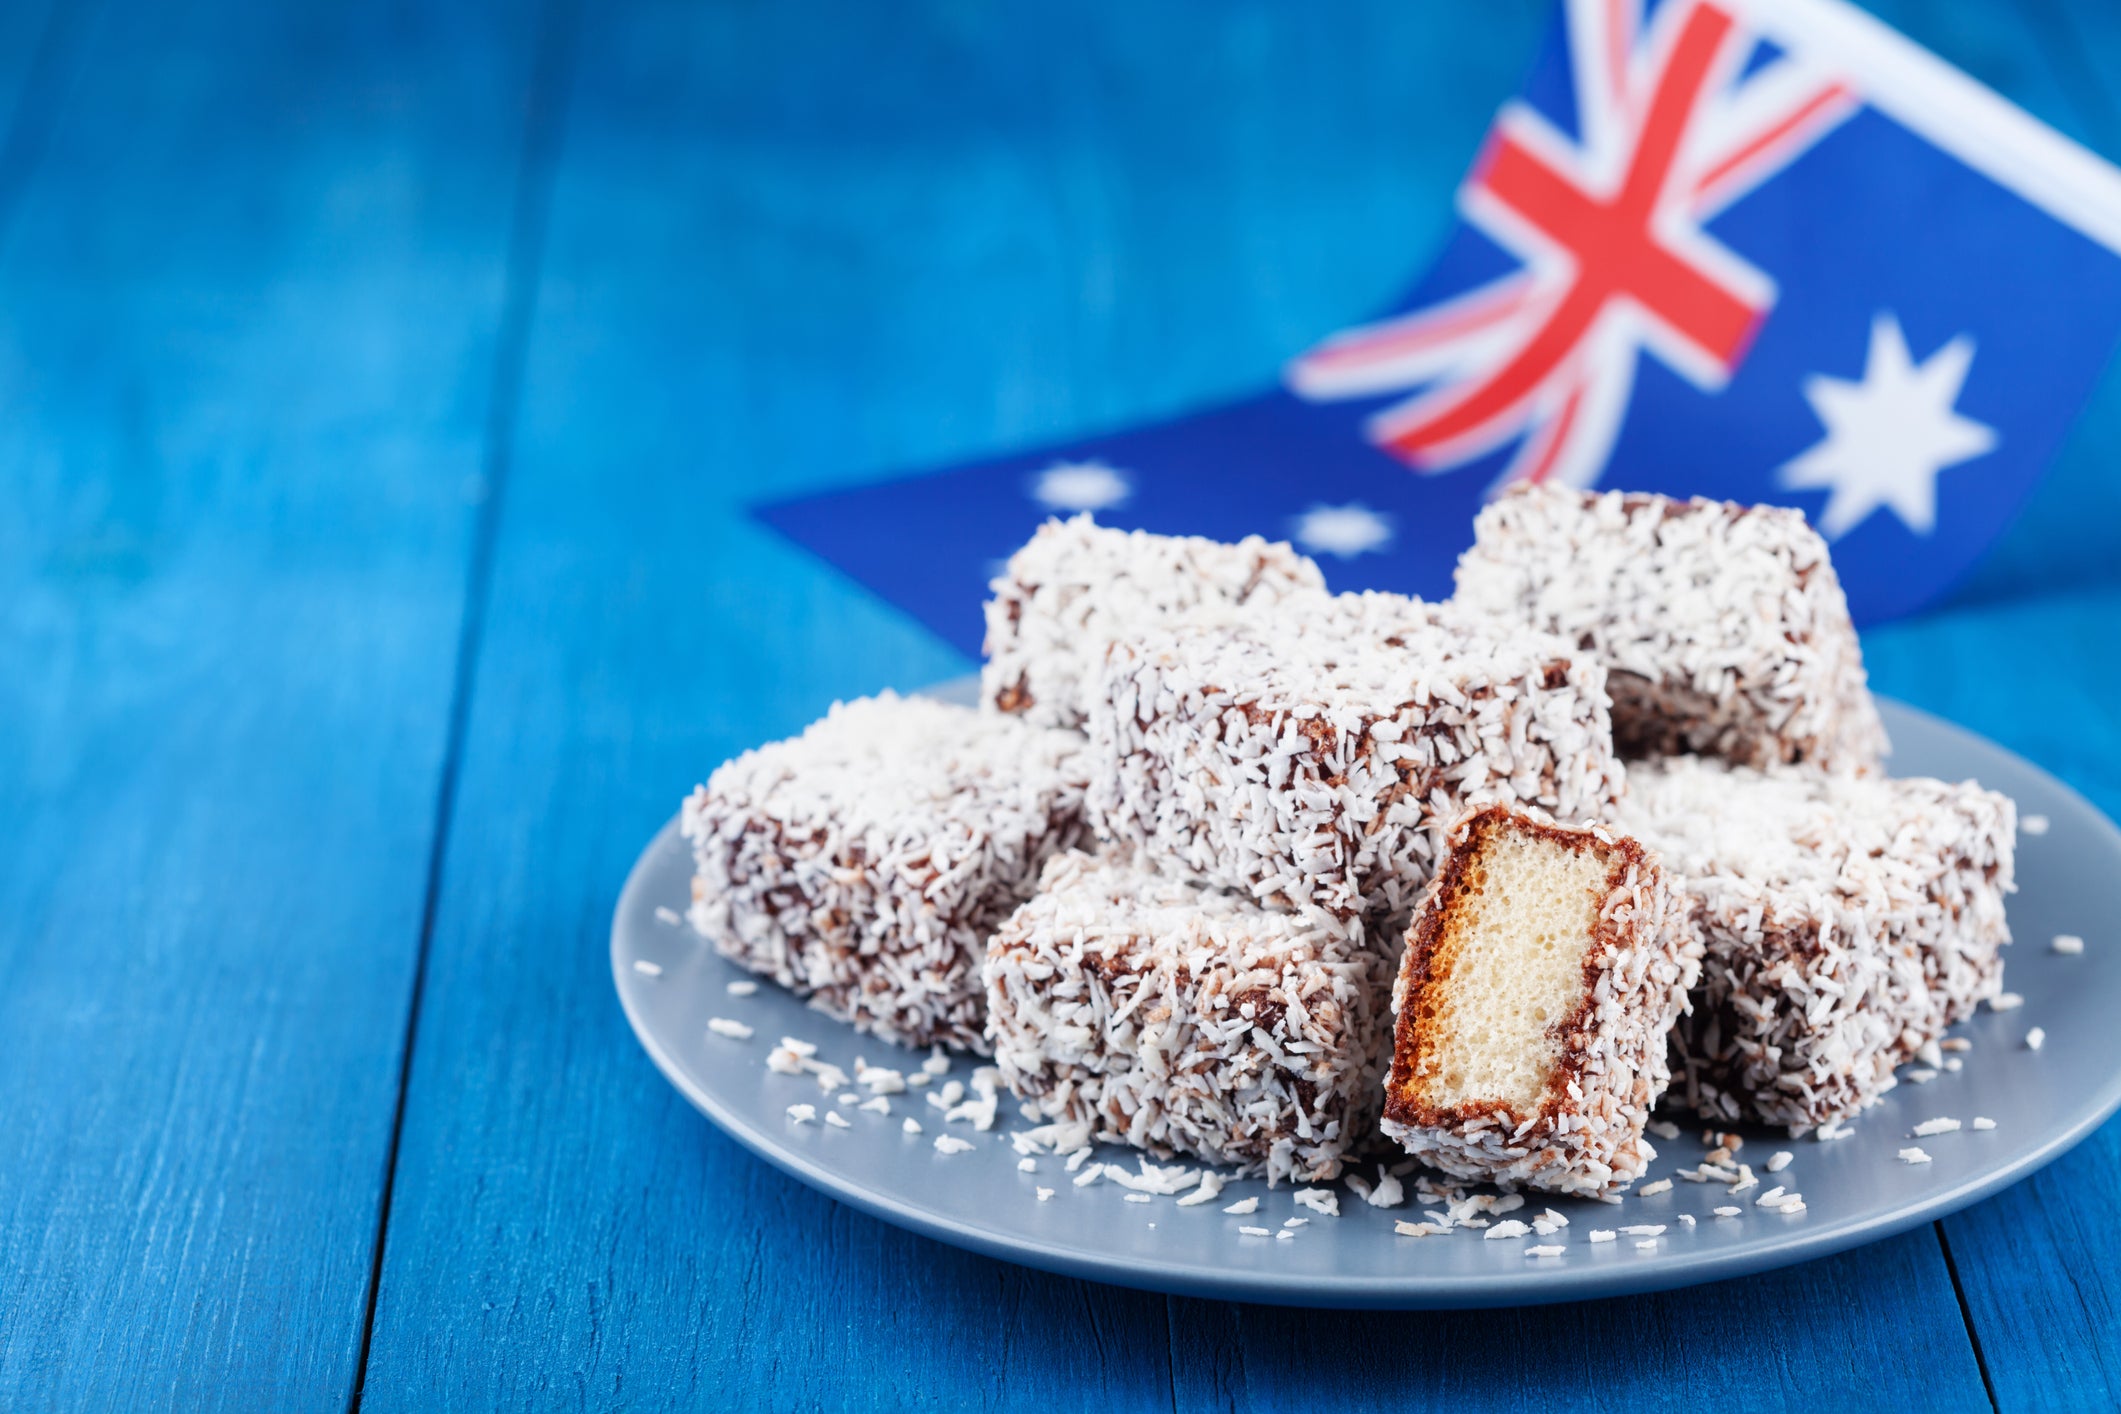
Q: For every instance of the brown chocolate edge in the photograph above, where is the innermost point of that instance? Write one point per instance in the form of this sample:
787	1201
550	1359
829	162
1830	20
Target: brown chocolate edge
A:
1430	958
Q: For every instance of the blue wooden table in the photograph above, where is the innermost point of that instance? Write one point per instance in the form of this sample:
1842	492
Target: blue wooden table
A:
382	384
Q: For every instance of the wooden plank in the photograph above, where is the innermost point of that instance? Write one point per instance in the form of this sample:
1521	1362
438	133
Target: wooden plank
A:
1881	1318
2034	1262
247	310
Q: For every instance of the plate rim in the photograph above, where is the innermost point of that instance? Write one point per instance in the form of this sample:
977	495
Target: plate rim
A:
1415	1291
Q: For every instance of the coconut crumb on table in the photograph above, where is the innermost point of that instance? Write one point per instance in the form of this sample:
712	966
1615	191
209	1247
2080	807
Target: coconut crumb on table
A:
1319	1200
1549	1251
1983	1122
1686	1219
1210	1185
837	1120
1243	1206
912	1125
803	1114
1913	1154
2068	944
1651	1190
1644	1229
1422	1229
877	1106
951	1144
1257	1231
1027	1165
1285	1235
1728	1212
1089	1175
1138	1198
742	988
2035	1039
1603	1235
1779	1160
1506	1229
1663	1129
1940	1125
2005	1001
1043	1194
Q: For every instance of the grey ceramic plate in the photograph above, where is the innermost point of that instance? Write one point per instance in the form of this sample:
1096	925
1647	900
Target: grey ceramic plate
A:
1855	1189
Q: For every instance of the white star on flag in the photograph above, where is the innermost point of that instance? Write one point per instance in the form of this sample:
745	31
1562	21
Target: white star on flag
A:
1080	486
1346	531
1888	436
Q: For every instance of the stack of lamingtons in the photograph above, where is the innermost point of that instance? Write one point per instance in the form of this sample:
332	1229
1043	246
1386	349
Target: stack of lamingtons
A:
1229	865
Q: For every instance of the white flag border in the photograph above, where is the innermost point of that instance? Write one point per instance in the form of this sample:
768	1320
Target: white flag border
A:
1950	109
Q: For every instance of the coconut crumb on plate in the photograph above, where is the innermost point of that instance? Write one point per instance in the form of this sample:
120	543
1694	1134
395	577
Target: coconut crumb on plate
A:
1651	1190
1913	1154
1983	1122
726	1026
2035	1039
744	987
2033	825
1243	1206
1603	1235
951	1144
646	968
803	1114
1940	1125
2068	944
664	913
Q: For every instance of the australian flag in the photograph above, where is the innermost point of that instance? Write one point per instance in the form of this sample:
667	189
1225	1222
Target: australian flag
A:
1761	250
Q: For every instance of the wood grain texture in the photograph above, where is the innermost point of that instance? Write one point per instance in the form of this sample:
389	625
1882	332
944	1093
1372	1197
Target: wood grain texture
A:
246	301
1881	1318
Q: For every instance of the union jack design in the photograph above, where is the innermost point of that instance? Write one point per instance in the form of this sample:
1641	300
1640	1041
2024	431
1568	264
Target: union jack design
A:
1608	228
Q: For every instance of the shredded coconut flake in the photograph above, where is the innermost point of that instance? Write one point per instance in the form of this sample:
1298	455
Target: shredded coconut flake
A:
1913	1155
912	1125
1044	1194
951	1144
803	1114
646	968
1243	1206
1779	1160
725	1026
1651	1190
2035	1039
1603	1234
744	987
2068	944
2005	1001
2033	825
1935	1126
1983	1122
664	913
1549	1251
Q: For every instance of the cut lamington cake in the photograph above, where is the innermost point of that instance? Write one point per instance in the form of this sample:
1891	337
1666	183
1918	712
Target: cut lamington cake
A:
1077	585
1847	922
1314	757
865	862
1543	972
1182	1020
1723	627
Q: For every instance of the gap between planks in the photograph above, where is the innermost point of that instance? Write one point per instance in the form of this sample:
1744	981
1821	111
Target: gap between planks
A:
551	71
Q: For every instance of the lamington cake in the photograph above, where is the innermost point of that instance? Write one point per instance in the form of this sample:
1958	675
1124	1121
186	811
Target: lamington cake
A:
1314	757
1723	627
1076	585
1847	922
1542	975
865	862
1184	1020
